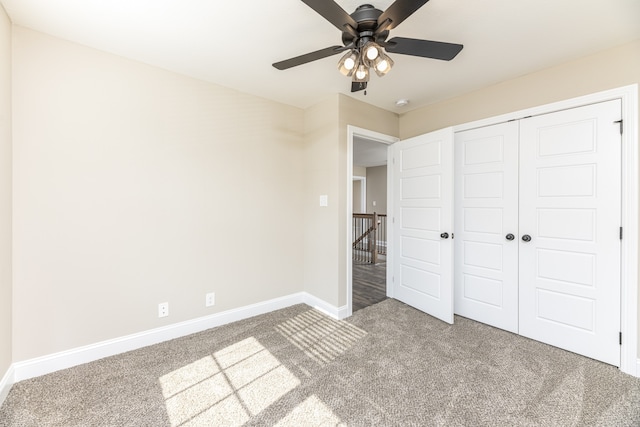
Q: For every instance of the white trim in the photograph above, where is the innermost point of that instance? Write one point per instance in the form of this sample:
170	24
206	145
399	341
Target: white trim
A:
77	356
363	192
629	262
594	98
321	305
390	220
346	311
5	384
629	268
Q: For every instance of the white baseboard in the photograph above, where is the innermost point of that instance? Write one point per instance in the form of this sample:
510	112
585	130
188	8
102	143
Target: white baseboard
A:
343	312
323	306
5	384
637	373
77	356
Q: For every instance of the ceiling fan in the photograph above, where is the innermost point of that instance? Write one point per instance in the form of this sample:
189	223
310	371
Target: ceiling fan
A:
364	37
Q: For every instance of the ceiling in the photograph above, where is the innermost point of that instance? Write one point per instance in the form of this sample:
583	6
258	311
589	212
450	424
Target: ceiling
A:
234	43
368	153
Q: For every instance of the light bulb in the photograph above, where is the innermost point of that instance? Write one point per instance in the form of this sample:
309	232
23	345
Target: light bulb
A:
349	63
382	65
372	52
361	74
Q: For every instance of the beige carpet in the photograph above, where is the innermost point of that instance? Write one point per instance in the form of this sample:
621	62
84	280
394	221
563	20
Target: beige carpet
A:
389	365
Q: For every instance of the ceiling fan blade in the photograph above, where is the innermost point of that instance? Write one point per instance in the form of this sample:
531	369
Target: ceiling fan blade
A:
399	11
423	48
358	86
332	12
308	57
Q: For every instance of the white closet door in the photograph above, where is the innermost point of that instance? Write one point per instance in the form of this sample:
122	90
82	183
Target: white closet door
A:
423	213
486	225
570	207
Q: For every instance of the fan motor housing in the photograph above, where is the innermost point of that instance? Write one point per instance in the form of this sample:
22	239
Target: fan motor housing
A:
366	16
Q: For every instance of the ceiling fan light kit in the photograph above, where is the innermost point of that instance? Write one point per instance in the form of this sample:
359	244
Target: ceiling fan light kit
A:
364	37
357	63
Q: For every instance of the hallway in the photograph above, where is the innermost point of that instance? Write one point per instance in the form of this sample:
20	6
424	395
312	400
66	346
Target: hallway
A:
369	284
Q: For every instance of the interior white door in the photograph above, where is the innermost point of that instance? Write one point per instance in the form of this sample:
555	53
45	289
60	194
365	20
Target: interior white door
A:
486	225
423	223
570	196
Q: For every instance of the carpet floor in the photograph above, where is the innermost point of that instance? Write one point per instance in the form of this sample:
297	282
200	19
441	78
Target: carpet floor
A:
387	365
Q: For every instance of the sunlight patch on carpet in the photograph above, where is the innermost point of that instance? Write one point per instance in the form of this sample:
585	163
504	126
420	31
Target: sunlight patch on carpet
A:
319	336
226	388
311	412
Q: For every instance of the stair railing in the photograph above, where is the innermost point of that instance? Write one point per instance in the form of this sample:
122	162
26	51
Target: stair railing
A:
369	237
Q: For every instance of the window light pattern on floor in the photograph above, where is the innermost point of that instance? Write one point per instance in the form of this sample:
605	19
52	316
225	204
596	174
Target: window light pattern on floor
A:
311	412
226	388
319	336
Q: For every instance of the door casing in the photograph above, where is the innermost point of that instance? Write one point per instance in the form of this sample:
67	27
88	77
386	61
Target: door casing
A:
383	139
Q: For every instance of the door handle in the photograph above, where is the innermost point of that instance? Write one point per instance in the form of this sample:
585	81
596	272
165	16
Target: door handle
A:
444	235
509	236
526	238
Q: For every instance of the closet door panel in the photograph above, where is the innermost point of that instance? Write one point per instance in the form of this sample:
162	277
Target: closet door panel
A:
570	201
486	211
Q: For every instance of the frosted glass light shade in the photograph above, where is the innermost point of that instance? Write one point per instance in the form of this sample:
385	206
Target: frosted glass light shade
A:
383	65
347	64
361	74
372	51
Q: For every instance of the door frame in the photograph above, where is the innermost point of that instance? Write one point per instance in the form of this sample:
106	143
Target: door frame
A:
363	192
353	131
629	360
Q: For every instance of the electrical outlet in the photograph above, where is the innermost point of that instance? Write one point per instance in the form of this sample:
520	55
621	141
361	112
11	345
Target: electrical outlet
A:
210	299
163	309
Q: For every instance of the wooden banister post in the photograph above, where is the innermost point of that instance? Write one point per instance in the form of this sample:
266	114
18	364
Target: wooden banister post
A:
374	236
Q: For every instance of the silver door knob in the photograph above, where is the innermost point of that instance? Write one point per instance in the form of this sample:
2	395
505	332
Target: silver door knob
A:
526	238
444	235
509	236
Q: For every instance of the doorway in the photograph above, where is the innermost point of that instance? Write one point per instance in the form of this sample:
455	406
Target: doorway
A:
366	271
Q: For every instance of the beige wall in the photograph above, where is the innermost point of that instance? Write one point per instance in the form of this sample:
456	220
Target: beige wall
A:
606	70
359	171
377	189
135	186
321	178
357	195
325	266
5	194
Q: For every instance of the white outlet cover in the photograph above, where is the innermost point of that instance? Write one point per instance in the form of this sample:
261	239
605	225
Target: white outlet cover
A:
210	299
324	200
163	309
